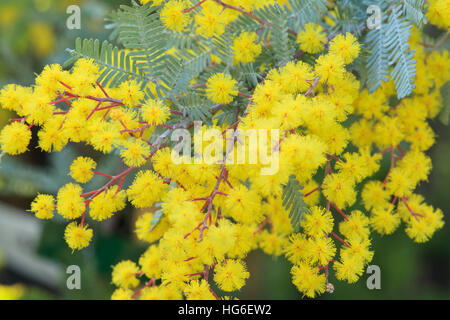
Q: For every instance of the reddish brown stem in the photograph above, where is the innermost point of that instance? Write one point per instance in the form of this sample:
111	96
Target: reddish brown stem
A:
65	85
84	216
414	214
394	200
392	165
102	174
198	86
214	294
244	95
339	210
401	151
88	193
339	239
93	110
101	88
310	92
192	8
334	157
312	191
262	225
147	284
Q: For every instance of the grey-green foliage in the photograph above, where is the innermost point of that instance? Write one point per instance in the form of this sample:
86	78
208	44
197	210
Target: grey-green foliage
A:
248	74
377	66
413	10
196	107
390	51
305	11
280	38
350	17
293	200
399	54
295	16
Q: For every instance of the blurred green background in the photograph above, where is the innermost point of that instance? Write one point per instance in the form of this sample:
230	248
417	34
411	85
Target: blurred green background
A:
33	33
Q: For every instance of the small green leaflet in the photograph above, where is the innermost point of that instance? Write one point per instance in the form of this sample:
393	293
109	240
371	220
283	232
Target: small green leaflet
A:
293	200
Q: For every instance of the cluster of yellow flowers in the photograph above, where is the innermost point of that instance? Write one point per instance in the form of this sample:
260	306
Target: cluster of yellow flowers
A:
212	216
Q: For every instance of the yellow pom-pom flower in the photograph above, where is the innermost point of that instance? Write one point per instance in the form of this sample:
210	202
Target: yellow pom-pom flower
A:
384	220
308	280
146	189
350	268
346	47
15	138
356	226
130	93
81	169
318	222
43	206
101	207
296	250
312	39
358	248
374	195
135	152
320	250
400	183
209	23
154	112
13	96
245	48
77	236
173	17
221	88
339	190
151	262
124	274
231	275
330	69
69	201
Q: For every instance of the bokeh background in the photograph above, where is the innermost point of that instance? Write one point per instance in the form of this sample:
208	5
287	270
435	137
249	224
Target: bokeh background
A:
33	254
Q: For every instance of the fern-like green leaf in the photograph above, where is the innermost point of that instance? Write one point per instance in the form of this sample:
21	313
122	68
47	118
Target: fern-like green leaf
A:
304	11
377	61
196	107
248	75
349	17
400	57
414	12
293	200
115	65
284	47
